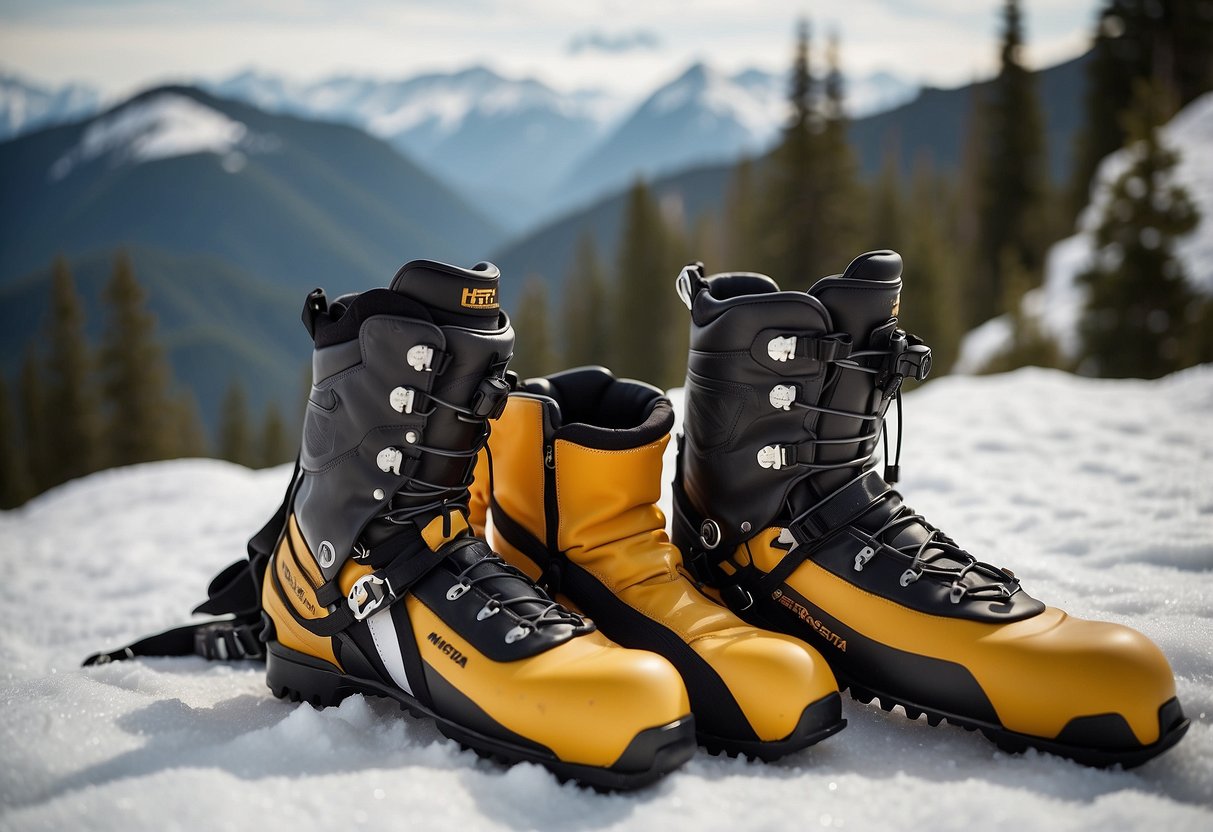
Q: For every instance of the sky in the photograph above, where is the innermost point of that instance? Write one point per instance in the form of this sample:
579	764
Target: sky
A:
120	46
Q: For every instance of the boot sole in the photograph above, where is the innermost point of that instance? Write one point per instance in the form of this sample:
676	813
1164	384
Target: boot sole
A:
1014	742
651	754
821	719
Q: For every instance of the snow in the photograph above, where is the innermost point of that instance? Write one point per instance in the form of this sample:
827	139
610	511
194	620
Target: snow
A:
388	108
760	108
26	106
1058	303
982	344
158	127
1099	494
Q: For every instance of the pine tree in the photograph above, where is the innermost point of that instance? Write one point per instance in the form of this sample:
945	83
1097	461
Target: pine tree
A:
191	435
532	333
674	338
73	416
135	376
933	267
887	211
15	484
644	308
587	310
33	421
792	244
1167	42
275	448
1140	301
235	429
740	231
965	225
837	185
1013	183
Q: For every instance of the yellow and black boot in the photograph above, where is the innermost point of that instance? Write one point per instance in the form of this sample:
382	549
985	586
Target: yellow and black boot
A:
575	476
779	507
376	584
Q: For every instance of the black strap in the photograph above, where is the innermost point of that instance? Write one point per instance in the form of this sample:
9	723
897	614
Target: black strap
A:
393	581
839	509
235	592
824	347
548	560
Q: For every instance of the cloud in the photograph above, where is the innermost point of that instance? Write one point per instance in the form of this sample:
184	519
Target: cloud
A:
596	40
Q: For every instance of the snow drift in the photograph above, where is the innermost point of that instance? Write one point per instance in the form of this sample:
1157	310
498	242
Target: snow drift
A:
1099	494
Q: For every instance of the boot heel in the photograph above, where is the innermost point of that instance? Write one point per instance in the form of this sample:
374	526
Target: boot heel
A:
292	675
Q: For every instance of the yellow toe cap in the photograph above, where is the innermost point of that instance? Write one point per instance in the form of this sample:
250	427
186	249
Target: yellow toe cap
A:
772	677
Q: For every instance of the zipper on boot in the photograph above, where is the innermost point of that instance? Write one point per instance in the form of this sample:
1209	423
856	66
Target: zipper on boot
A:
552	573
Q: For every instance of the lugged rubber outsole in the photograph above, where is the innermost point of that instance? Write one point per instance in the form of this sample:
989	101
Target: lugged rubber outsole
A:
653	753
819	720
1014	742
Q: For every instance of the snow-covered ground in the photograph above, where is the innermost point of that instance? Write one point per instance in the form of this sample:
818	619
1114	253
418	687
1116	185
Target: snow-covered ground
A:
1099	494
1058	304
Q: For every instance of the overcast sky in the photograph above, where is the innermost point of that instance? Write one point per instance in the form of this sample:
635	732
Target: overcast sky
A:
120	45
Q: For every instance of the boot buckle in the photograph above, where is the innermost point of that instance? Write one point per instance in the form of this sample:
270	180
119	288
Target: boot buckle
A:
782	347
420	357
782	396
774	456
389	460
402	398
367	595
490	399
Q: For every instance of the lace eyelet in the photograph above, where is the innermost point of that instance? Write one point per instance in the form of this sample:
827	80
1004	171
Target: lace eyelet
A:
865	555
958	592
457	590
909	576
517	634
490	609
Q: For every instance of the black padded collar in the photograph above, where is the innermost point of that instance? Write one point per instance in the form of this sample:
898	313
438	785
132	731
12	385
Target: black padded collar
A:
591	407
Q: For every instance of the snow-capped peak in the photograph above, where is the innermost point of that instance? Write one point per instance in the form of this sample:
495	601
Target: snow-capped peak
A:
439	102
159	126
26	106
744	98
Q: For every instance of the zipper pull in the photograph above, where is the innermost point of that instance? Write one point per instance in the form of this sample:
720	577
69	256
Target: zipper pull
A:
549	457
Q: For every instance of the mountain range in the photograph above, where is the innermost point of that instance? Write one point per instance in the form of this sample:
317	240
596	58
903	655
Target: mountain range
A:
525	152
232	214
293	201
26	106
932	127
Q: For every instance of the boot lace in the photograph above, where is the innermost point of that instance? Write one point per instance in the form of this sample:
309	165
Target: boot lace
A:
937	556
447	500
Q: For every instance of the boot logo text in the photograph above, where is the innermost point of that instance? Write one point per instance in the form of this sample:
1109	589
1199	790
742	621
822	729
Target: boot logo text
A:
300	594
479	298
807	617
449	649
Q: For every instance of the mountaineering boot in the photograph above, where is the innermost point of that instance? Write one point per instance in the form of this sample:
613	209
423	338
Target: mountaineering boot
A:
575	476
778	506
376	584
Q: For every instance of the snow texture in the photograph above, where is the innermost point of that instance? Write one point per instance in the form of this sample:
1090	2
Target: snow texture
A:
159	127
1099	494
1058	303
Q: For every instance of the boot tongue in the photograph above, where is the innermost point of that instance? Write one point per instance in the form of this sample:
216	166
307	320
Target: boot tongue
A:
454	296
863	297
861	300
